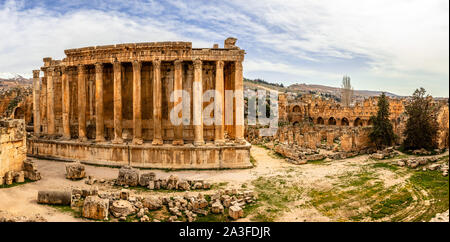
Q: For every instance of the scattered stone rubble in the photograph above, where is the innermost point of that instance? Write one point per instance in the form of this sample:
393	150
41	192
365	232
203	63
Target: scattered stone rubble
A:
131	177
29	171
416	162
120	205
384	154
5	217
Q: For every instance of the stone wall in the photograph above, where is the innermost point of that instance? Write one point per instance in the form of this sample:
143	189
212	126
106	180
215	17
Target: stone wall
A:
12	146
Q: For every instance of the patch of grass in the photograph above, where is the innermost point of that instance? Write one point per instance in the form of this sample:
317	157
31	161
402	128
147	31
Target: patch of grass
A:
274	194
16	184
437	187
385	165
396	202
276	155
319	162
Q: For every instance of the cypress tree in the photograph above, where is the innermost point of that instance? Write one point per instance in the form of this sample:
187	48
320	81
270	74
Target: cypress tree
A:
382	133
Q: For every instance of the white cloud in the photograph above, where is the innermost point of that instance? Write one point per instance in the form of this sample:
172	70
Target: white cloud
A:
385	44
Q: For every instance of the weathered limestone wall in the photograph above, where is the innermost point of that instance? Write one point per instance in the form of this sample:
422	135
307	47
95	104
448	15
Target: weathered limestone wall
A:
146	155
12	146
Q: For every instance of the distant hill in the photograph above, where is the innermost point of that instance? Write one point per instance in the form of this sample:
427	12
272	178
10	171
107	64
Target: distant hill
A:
322	90
9	80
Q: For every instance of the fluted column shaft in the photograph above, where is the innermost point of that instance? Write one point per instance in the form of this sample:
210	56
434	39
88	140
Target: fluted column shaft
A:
198	103
219	131
178	99
157	104
117	66
50	101
65	102
239	101
36	113
82	102
137	107
99	118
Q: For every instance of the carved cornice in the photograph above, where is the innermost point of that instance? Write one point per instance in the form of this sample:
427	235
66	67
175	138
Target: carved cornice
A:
219	64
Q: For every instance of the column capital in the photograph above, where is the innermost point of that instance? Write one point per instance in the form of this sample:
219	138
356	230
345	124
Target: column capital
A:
156	63
177	64
197	63
98	67
219	64
63	69
137	64
51	69
36	73
81	68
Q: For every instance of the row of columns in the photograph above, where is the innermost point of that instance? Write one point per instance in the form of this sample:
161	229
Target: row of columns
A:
137	108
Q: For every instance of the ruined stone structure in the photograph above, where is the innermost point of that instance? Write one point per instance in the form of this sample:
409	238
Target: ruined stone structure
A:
112	105
329	112
12	150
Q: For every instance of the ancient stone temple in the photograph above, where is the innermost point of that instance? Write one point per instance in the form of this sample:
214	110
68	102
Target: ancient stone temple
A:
112	105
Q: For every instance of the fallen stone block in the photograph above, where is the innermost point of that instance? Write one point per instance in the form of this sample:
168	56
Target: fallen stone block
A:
146	178
121	208
95	208
128	176
235	212
152	203
19	177
75	171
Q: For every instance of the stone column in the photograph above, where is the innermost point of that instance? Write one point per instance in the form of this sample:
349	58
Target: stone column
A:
239	101
99	118
82	102
157	103
117	66
219	128
137	108
50	101
178	98
65	102
198	103
36	113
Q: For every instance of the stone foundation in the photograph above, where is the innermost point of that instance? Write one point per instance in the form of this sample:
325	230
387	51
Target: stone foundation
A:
143	156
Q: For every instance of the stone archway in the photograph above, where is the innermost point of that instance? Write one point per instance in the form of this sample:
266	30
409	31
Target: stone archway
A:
358	122
19	113
320	120
331	121
345	122
296	109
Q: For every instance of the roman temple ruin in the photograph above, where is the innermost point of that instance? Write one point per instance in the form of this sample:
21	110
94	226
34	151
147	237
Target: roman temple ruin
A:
113	104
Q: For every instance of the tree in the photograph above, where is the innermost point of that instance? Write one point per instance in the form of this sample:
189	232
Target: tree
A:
382	133
421	126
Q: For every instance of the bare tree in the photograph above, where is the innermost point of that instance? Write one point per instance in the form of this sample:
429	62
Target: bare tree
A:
346	91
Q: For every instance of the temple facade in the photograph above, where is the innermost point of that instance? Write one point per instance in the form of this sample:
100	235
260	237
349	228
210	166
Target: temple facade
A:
112	105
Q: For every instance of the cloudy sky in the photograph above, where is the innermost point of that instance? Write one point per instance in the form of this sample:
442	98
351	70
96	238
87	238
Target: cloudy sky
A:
394	46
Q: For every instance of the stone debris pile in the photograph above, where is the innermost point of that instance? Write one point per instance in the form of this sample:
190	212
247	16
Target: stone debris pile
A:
429	163
29	171
384	154
121	205
131	177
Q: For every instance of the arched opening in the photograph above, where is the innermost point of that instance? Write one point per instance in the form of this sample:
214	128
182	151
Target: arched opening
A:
296	123
19	113
311	120
296	109
358	122
320	120
332	121
345	122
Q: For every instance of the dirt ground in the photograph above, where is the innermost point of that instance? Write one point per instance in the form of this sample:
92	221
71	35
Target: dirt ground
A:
312	177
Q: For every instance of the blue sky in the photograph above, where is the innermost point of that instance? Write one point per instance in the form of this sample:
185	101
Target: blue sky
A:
393	46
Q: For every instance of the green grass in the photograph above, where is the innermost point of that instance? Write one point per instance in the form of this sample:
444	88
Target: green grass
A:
385	165
76	213
437	187
273	197
16	184
252	160
392	204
